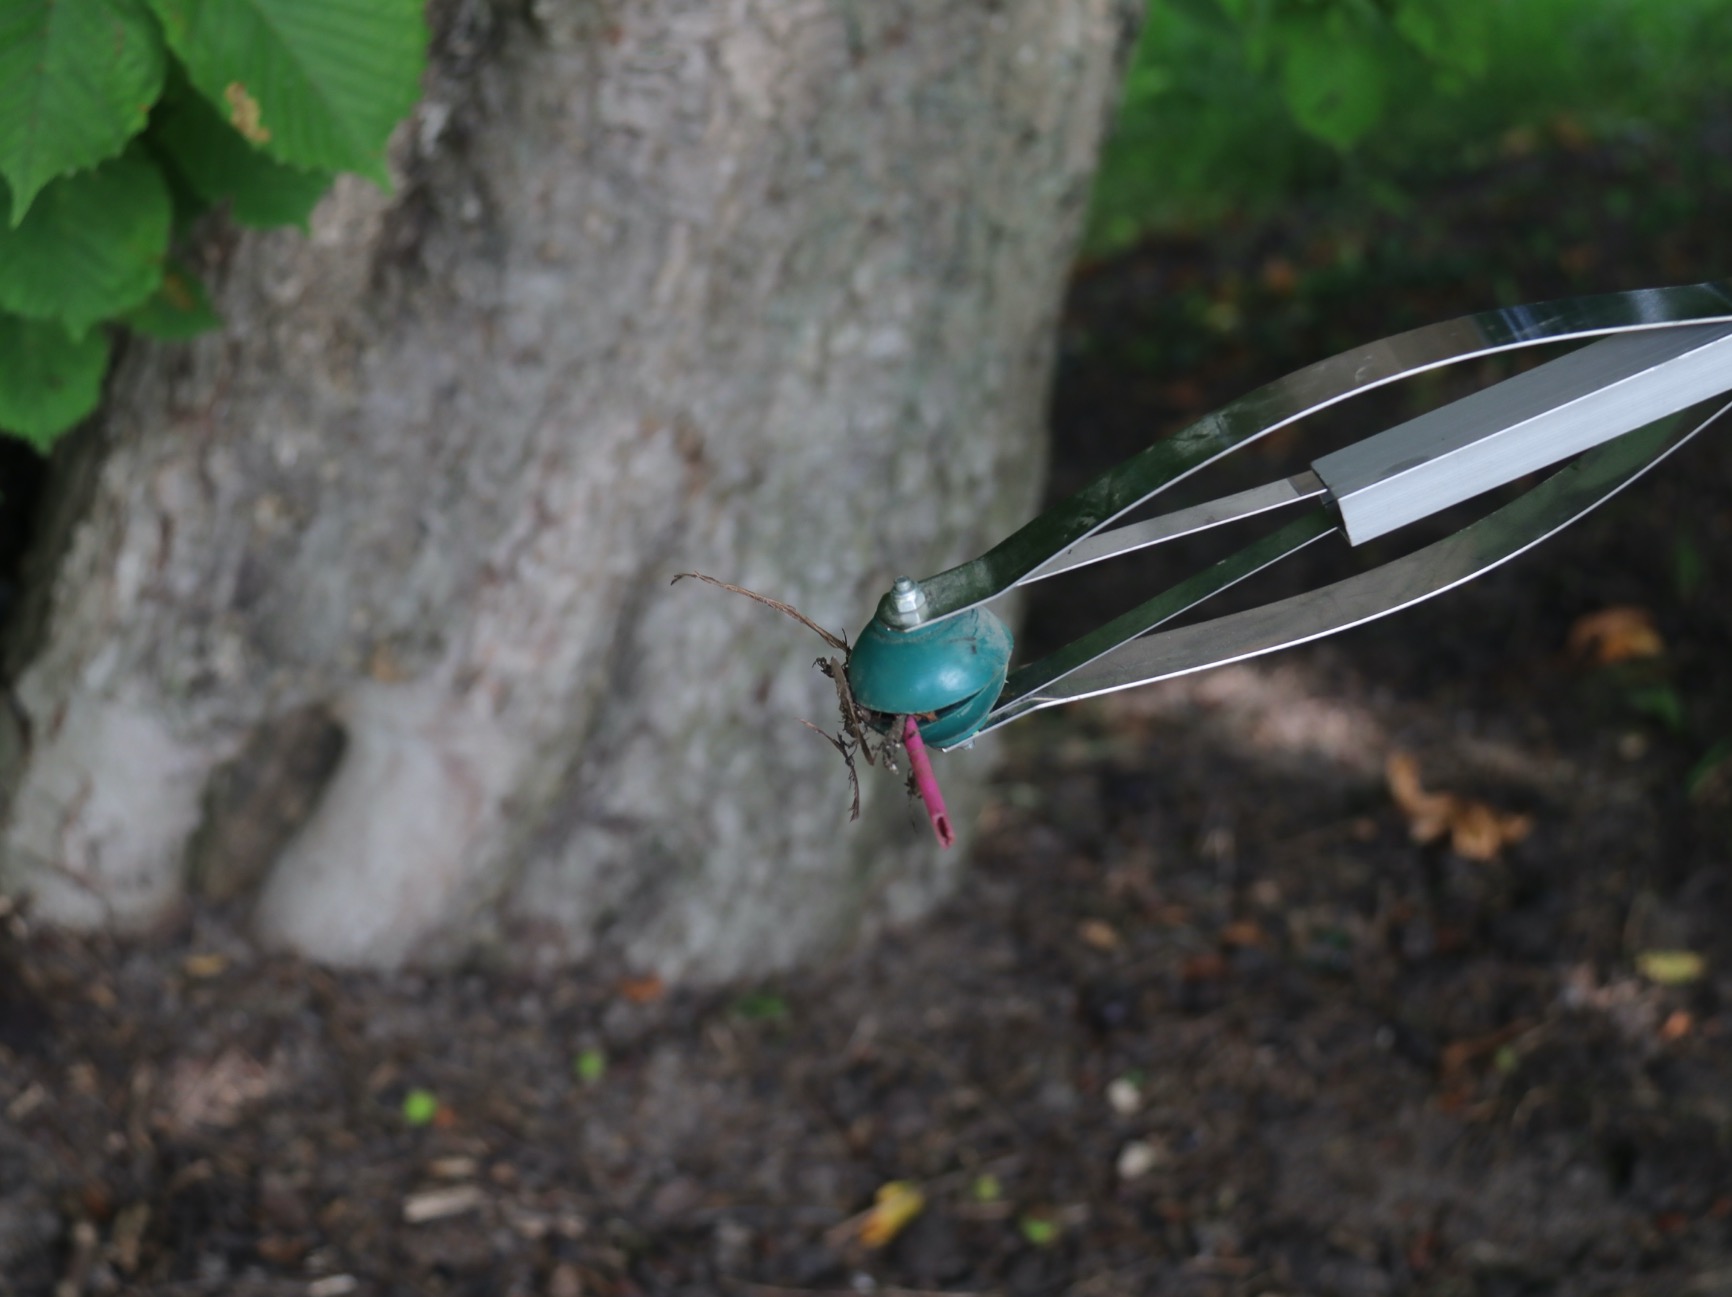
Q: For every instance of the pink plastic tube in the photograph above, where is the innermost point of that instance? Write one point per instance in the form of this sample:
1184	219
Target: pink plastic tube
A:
926	783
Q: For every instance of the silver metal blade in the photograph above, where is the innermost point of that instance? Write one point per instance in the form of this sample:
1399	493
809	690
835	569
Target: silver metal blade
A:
1299	394
1475	550
1041	675
1181	522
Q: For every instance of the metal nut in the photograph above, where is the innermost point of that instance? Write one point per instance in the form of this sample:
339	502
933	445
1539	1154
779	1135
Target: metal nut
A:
905	605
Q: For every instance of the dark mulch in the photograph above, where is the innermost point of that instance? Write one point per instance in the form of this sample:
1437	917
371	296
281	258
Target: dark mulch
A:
1204	1017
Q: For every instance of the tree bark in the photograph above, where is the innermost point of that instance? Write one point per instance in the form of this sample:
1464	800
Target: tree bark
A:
357	612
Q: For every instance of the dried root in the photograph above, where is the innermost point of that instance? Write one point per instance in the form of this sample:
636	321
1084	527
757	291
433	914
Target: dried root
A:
864	733
837	642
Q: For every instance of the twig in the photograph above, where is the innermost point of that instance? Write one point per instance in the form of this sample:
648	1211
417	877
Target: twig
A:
834	641
776	1290
847	760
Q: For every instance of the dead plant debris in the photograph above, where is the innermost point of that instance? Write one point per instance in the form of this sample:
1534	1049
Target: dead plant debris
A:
1624	633
1476	830
865	734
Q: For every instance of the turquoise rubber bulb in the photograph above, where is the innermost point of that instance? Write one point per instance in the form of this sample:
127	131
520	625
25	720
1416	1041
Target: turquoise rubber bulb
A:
954	668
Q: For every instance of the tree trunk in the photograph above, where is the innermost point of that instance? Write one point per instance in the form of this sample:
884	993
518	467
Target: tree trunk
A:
357	613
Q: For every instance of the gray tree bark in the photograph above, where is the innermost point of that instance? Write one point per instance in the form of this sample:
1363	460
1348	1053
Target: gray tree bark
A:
357	612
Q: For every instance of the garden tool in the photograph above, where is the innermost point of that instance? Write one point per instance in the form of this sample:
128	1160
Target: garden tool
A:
1654	370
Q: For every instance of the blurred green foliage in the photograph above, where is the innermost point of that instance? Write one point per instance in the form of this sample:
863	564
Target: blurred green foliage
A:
1240	106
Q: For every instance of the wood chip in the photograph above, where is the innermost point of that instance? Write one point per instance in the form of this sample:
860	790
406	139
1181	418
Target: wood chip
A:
126	1236
1099	934
439	1204
642	990
27	1102
215	1091
199	967
1124	1096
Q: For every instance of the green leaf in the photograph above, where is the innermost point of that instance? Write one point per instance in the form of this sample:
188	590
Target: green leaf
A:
1332	77
77	78
1689	568
49	380
316	83
1696	781
177	309
590	1066
1453	35
1039	1230
218	163
420	1107
1671	967
91	247
1659	702
761	1006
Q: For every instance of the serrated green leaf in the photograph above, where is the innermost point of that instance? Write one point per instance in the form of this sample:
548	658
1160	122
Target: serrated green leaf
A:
1332	77
177	309
318	84
186	203
49	380
220	165
91	247
77	78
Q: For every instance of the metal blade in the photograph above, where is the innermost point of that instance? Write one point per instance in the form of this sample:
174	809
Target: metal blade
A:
1181	522
1041	675
1475	550
1302	393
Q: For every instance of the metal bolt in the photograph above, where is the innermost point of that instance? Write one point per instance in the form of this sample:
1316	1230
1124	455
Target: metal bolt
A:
905	606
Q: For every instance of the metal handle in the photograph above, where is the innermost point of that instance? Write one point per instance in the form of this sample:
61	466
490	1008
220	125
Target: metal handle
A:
1524	424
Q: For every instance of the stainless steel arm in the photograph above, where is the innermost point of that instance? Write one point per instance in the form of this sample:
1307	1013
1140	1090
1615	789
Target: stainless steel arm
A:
1035	550
1093	666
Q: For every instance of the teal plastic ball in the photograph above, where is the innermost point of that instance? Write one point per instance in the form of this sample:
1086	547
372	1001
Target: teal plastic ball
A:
953	668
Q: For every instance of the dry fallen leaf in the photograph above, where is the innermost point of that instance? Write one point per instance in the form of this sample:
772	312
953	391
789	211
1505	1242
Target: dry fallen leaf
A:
1476	831
1678	1024
1671	967
641	990
1242	933
202	966
216	1091
1620	634
1099	933
1458	1055
894	1206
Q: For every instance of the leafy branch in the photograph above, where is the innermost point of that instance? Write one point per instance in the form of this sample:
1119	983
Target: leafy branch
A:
122	121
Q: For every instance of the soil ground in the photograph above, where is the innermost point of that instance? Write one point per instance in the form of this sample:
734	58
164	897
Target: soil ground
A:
1204	1017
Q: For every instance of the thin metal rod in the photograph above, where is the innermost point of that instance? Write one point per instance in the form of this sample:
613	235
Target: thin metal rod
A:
1181	522
1039	676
